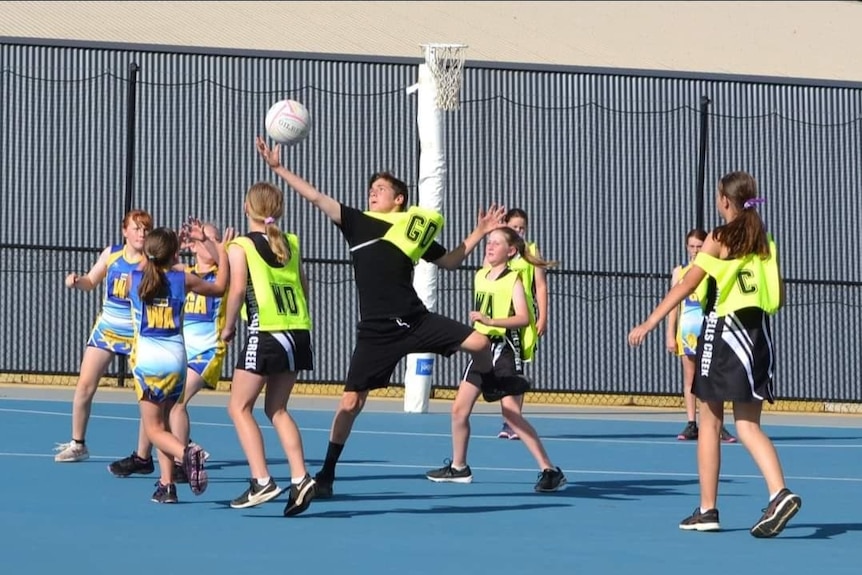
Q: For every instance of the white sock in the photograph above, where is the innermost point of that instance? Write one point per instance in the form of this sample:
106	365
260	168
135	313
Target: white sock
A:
297	480
702	510
459	467
262	481
774	495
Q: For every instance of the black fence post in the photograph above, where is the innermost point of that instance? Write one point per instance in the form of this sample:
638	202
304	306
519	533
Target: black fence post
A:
701	162
131	115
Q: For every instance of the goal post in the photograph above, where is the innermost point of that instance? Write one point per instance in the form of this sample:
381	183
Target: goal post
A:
438	90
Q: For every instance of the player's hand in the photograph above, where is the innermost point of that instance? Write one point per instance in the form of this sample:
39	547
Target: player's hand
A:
270	156
480	317
541	327
638	334
192	230
670	344
492	219
71	280
227	236
228	332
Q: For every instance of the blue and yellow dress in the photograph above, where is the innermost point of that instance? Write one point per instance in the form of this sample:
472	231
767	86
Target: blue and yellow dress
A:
113	329
204	320
158	358
690	320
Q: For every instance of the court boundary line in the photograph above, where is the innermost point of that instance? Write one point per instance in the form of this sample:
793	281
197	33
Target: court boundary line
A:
598	440
620	413
568	471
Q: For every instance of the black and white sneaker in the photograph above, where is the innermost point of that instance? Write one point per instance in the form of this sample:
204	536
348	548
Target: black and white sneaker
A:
448	474
776	515
165	493
550	480
256	494
697	521
299	497
131	464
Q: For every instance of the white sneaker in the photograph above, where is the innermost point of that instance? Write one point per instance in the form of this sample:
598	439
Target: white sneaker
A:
71	452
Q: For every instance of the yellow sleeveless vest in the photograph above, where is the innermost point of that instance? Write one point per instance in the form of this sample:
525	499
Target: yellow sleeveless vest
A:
744	282
493	298
412	231
529	334
280	298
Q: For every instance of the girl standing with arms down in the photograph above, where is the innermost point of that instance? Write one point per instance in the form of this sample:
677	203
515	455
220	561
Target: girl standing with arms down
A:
735	355
112	333
158	295
535	283
501	313
683	327
268	282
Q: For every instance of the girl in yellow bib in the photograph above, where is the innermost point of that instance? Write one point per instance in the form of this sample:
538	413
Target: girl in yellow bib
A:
501	312
735	359
536	289
268	283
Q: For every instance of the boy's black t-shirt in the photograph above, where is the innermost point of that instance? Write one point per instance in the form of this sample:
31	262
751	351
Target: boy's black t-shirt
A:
383	273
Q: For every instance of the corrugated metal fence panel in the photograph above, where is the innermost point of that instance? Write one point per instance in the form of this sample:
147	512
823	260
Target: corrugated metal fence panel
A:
604	164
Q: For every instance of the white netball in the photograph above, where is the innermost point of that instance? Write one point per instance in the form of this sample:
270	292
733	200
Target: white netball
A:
288	122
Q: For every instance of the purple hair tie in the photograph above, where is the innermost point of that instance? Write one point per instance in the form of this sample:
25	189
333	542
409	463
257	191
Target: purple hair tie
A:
268	221
753	202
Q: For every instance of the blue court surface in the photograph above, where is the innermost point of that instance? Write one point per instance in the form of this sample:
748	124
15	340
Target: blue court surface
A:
630	482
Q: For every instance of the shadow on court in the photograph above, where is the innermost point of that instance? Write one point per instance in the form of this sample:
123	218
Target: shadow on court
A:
821	530
310	463
437	509
625	489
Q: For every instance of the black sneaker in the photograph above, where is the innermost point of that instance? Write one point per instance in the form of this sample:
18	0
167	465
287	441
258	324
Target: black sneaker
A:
689	433
131	464
299	497
256	494
726	436
180	474
448	474
323	486
697	521
550	480
776	515
165	493
496	388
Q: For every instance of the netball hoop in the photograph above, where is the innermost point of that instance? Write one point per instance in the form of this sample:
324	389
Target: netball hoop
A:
446	63
439	89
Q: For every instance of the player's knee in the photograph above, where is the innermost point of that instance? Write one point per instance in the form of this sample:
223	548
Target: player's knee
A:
476	343
272	411
461	412
352	402
236	409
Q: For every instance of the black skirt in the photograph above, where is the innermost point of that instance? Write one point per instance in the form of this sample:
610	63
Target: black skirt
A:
735	358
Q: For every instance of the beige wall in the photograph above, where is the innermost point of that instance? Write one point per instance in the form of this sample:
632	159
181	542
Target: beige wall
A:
792	39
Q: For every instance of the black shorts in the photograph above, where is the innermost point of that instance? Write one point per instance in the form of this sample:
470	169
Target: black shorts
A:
275	352
381	344
507	362
735	358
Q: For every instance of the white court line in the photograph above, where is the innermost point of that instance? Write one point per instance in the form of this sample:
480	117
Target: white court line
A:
589	413
447	435
517	469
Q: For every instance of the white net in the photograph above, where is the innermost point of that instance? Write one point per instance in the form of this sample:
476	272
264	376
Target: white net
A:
446	62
